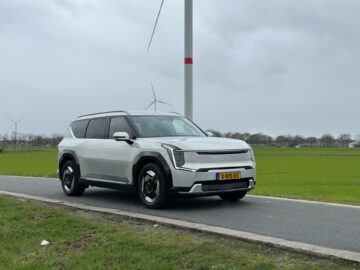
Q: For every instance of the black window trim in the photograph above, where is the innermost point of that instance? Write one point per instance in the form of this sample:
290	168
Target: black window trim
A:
106	127
82	120
134	134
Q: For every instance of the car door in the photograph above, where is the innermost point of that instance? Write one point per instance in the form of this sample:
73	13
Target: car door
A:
92	150
117	155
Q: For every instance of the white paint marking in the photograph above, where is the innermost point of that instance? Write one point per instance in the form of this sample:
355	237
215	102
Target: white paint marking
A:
29	177
297	246
305	201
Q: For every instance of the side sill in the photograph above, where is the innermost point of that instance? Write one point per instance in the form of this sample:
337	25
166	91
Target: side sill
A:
108	184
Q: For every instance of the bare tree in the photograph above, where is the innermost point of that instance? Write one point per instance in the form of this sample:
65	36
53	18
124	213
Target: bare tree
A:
311	141
281	140
298	140
327	140
344	140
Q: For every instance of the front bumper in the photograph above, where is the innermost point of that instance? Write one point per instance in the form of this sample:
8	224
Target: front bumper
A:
206	189
201	183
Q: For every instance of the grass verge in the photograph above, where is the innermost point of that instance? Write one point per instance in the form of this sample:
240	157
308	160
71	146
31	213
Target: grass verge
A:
86	240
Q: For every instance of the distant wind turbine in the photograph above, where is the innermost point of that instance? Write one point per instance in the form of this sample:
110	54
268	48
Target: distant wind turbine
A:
188	54
155	101
15	122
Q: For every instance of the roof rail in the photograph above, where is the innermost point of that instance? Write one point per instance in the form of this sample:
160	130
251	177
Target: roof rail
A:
102	113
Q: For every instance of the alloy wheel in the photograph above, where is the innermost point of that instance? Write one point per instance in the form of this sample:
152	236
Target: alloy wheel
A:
150	186
68	178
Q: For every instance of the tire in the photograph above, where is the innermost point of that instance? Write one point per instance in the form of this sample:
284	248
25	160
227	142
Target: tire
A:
152	186
70	174
233	196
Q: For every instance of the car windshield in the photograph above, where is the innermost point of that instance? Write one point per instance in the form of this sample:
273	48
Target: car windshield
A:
165	126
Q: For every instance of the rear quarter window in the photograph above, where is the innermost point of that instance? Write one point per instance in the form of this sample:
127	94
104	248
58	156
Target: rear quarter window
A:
79	128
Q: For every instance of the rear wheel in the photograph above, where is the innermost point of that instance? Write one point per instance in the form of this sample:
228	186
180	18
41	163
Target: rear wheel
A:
151	186
233	196
70	175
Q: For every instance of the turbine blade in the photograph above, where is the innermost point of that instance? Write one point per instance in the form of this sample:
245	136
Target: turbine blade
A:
156	22
22	118
163	102
8	118
152	103
153	89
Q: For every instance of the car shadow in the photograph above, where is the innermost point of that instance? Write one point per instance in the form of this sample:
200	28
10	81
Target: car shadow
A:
130	200
111	195
203	203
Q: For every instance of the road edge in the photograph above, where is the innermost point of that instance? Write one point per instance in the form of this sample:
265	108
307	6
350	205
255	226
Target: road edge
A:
305	201
248	195
251	237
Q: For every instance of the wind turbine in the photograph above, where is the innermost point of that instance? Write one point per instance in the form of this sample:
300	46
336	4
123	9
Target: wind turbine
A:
155	101
188	57
15	122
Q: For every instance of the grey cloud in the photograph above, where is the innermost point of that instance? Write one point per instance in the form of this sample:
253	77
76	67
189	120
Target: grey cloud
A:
270	66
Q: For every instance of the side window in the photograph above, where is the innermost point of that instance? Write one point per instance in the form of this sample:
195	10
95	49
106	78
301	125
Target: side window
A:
79	127
97	128
119	124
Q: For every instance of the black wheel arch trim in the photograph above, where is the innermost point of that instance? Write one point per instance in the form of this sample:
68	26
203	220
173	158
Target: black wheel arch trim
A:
67	154
157	157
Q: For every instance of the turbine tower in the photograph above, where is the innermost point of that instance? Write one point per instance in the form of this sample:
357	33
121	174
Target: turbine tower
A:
188	55
155	101
15	122
188	88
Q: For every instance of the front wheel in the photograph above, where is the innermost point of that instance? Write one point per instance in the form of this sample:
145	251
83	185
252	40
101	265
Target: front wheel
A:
70	175
151	186
233	196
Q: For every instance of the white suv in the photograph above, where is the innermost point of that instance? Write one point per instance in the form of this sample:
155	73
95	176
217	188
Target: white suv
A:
158	155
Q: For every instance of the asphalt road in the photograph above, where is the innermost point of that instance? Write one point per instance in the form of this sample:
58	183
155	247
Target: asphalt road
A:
330	226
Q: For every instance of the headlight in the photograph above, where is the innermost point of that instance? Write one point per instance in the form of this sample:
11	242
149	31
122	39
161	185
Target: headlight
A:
176	155
250	155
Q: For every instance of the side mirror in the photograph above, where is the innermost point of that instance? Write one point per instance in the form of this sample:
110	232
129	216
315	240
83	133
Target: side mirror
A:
121	136
209	133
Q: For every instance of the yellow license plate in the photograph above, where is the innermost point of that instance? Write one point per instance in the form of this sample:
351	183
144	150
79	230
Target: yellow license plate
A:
229	176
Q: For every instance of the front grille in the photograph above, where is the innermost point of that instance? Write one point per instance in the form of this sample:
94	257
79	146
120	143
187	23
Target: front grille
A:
224	152
224	186
224	168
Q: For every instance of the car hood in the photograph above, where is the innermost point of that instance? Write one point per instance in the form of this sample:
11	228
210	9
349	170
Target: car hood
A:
201	143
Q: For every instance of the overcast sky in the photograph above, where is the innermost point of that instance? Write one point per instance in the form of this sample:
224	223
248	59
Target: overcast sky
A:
276	67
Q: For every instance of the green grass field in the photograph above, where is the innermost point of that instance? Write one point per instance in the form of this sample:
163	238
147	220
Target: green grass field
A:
29	163
331	175
86	240
317	174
